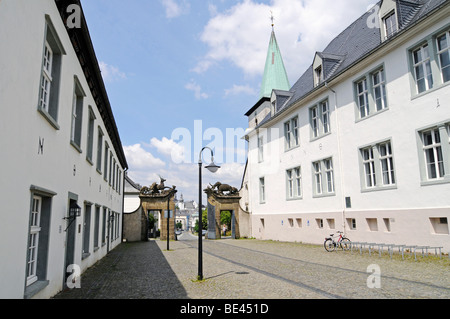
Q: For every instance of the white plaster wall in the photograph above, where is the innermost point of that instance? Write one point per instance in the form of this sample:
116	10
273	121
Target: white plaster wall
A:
22	25
411	205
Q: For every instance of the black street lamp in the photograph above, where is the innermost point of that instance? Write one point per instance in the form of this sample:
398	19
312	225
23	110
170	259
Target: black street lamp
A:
212	168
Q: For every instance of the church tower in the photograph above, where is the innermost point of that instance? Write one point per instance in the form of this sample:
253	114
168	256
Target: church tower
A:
274	78
275	75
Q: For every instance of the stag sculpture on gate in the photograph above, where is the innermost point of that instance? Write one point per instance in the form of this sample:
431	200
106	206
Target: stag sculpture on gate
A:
221	190
157	189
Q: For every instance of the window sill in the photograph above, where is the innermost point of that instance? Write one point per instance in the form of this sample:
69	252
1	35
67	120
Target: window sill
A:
89	161
380	188
372	115
444	180
293	199
437	87
324	195
49	118
286	150
35	288
75	146
313	139
85	255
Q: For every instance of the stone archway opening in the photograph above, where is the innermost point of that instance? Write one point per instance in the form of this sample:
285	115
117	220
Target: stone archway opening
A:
223	204
159	200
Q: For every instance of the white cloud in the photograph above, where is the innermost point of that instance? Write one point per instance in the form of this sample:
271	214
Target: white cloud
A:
241	34
202	66
174	8
169	148
193	86
240	89
139	159
111	73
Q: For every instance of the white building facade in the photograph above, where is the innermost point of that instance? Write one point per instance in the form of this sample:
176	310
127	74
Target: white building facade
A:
61	151
361	143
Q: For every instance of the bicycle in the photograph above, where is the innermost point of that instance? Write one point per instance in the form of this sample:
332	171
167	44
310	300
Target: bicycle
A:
330	244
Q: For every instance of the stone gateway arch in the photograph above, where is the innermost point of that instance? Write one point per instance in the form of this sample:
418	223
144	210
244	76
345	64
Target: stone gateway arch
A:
222	197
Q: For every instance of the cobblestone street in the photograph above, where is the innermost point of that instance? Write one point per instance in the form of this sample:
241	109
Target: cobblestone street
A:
252	269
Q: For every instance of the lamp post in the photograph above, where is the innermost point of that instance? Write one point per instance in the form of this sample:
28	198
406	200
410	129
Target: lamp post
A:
212	168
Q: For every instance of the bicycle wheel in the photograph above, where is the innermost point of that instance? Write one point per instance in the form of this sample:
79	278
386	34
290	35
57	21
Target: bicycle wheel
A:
345	243
329	245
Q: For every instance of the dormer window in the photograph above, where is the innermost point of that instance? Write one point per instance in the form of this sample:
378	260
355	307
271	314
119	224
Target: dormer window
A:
390	24
318	75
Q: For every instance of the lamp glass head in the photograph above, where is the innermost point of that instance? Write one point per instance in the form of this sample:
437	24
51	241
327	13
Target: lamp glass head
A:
213	168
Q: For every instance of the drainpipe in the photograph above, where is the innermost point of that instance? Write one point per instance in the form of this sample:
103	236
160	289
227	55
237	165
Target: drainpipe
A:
343	204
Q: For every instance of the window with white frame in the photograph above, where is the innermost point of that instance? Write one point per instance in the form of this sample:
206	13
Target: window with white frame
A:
33	243
105	169
294	183
390	24
46	81
379	89
77	115
40	215
90	136
422	68
387	163
363	98
99	149
369	167
319	116
50	75
260	149
371	94
377	166
325	115
315	121
262	190
443	47
323	177
110	167
433	154
317	178
291	133
318	75
328	163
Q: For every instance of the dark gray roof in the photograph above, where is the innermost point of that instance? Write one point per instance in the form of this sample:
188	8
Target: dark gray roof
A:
355	43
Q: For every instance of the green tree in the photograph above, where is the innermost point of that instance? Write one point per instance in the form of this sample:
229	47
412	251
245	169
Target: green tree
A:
225	219
205	219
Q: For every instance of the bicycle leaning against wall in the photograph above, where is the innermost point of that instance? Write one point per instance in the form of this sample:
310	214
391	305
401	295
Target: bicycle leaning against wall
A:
342	242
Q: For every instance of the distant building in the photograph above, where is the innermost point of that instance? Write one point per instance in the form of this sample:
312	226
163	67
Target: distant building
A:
63	162
361	142
135	227
184	212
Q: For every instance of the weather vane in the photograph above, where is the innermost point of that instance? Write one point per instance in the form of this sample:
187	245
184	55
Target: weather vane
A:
272	18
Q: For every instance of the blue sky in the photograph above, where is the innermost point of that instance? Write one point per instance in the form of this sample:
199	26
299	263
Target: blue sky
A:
169	63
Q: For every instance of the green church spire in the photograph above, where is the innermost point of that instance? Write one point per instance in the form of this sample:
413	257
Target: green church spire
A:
275	76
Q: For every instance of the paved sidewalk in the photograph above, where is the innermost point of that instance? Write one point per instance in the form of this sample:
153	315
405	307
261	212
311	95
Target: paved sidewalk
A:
252	269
